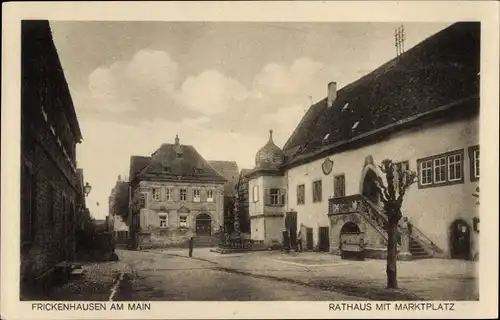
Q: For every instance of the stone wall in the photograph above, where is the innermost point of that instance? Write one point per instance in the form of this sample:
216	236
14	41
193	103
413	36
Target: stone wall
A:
49	180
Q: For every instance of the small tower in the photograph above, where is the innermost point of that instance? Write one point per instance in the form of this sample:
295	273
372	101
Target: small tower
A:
267	190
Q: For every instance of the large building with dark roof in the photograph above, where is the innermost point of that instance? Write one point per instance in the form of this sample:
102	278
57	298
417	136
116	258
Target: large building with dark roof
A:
50	189
421	110
174	194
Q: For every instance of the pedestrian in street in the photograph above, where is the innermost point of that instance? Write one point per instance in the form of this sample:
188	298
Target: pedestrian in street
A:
299	241
191	245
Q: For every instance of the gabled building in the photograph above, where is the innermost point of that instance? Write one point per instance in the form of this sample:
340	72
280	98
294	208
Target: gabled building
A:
421	110
174	194
49	182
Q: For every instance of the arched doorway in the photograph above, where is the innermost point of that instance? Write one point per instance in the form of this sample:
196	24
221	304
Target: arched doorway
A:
460	240
349	227
370	189
350	241
203	225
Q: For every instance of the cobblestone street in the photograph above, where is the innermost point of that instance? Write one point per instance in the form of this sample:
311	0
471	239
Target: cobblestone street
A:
170	275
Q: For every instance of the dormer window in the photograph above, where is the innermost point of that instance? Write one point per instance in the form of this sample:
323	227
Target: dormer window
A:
166	169
179	155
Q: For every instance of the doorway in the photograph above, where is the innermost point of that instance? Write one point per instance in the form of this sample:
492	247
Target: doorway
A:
324	239
203	225
291	225
460	240
370	189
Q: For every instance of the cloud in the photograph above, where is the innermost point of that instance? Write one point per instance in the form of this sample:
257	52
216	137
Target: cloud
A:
149	68
301	77
145	82
211	92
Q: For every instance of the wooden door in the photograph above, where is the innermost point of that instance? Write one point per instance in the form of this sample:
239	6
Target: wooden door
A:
324	239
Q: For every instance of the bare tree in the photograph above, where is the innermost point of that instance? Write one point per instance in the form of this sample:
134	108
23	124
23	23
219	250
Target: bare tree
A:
392	193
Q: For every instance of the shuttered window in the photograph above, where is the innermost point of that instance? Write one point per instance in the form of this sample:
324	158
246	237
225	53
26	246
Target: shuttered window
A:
317	191
339	186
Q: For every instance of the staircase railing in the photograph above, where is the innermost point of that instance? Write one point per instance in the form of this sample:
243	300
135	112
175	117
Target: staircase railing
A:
416	234
425	242
375	214
357	204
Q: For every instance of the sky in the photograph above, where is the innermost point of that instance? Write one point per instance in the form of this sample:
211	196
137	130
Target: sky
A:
220	86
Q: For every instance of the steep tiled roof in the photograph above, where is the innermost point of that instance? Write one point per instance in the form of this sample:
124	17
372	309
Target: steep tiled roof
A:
165	164
229	170
439	71
137	164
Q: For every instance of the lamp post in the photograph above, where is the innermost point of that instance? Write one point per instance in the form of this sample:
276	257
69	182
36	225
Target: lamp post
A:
87	188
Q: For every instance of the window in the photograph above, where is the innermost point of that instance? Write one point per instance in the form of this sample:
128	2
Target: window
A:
179	155
166	169
474	163
403	166
339	186
317	192
44	113
455	167
169	194
276	197
183	194
301	194
426	172
163	221
210	196
183	222
156	194
196	195
442	169
255	193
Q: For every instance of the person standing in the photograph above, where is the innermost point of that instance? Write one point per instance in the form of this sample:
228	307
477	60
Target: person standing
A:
299	241
191	245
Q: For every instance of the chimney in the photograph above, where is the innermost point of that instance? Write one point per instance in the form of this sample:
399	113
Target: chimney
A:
119	178
176	140
332	93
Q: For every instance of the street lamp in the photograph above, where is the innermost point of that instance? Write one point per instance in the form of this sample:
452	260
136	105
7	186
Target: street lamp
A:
87	188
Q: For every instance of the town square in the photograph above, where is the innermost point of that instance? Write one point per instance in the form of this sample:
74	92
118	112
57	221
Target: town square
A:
250	161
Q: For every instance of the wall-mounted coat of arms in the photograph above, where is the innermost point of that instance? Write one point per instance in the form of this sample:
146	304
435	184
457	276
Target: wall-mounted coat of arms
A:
327	166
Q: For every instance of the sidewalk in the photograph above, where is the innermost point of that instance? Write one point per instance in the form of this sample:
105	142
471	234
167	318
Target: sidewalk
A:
94	285
426	279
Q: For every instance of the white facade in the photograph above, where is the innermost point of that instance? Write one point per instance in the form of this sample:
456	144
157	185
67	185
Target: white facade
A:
431	209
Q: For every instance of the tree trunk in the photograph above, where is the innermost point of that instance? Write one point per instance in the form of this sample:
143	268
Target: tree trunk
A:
392	255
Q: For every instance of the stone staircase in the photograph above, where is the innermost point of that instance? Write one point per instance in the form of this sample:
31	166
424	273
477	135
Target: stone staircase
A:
421	246
417	251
